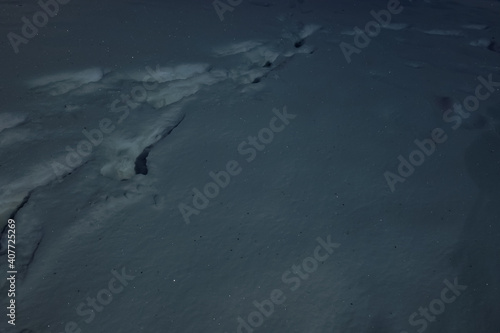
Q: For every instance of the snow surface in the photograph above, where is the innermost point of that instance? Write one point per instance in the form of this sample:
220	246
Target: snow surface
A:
210	85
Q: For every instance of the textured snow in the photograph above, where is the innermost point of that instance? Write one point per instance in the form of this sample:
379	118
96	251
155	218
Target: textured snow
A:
175	92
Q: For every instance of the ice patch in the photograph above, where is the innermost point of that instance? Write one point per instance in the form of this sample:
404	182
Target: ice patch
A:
14	136
308	30
440	32
262	55
181	72
396	26
236	48
179	89
171	94
483	42
348	32
58	84
9	120
475	26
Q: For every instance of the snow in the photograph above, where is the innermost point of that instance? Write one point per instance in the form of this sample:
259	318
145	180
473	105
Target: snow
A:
118	113
62	83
